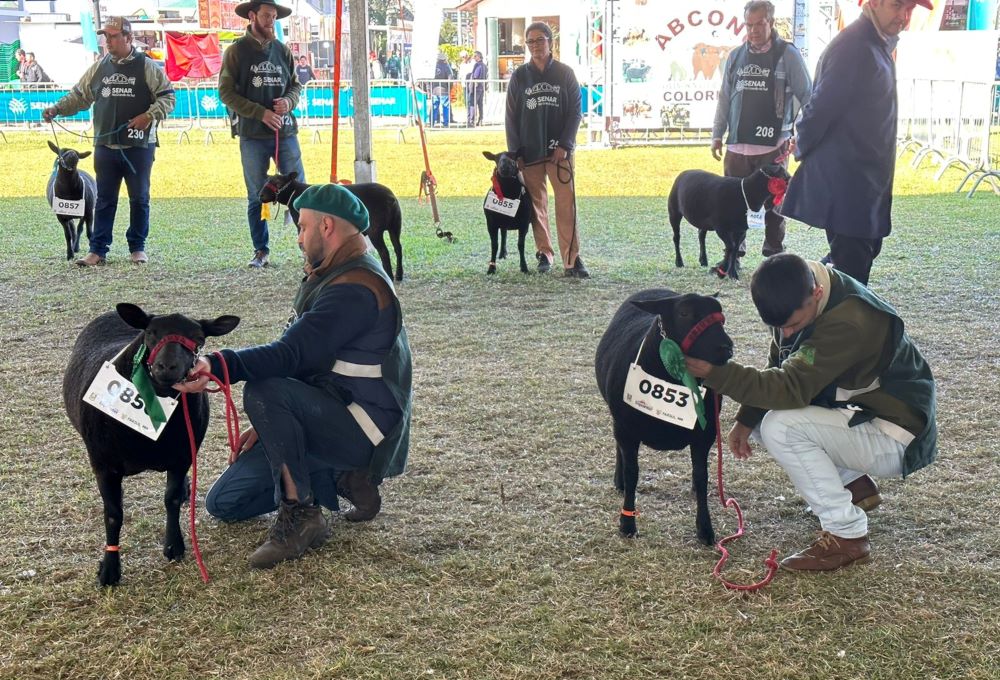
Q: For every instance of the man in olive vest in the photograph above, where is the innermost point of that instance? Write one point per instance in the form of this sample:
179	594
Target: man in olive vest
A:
765	82
259	86
846	394
131	94
329	402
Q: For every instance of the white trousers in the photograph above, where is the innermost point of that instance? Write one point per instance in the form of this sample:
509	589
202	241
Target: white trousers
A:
821	454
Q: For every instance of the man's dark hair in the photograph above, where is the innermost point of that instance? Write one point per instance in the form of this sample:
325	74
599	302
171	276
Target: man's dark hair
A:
756	5
781	284
539	26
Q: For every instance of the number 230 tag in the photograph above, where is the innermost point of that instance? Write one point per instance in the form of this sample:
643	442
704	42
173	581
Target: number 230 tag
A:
116	396
660	399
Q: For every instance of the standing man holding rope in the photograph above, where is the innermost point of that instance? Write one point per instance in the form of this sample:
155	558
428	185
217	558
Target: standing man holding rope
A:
543	116
259	86
130	94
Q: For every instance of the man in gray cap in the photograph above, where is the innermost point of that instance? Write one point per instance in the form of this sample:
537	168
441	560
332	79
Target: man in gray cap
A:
259	86
329	401
130	94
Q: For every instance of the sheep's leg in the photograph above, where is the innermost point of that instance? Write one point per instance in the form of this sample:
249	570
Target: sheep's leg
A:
628	456
397	248
383	252
619	482
502	255
173	497
702	256
699	485
109	573
68	232
492	269
674	214
521	234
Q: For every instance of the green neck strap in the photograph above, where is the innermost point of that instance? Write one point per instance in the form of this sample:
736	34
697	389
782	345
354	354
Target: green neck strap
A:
673	361
143	383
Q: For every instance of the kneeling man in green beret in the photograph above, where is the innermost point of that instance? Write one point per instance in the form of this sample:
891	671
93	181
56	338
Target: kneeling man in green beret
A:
329	401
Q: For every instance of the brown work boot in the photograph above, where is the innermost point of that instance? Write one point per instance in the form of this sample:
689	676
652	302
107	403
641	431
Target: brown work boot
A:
864	493
91	260
357	487
297	528
828	553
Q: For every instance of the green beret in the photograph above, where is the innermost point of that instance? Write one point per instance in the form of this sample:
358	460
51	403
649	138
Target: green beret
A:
333	199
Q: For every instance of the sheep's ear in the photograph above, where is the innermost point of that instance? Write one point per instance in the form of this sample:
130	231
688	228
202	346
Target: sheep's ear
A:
55	149
664	306
84	154
133	315
486	154
220	326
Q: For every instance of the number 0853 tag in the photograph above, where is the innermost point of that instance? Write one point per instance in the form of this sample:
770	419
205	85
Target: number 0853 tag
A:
660	399
116	396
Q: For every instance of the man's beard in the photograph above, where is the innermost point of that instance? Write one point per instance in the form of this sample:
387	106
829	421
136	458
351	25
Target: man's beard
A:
262	31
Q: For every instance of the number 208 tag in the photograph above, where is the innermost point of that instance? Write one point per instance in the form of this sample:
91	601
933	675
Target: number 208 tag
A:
117	397
660	399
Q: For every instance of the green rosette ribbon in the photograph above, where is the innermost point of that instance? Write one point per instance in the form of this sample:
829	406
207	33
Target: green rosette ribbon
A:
144	384
673	361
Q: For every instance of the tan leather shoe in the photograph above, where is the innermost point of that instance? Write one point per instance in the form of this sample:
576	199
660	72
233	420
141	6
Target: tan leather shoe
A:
139	257
91	260
828	553
864	493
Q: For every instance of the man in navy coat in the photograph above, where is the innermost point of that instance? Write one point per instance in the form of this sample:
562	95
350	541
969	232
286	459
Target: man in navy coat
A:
846	139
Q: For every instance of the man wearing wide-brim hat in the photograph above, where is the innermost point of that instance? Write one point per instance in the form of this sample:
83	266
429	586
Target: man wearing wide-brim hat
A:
259	87
329	402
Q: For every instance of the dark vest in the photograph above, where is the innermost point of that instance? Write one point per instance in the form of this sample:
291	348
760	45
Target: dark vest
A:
907	377
753	77
389	458
120	94
263	76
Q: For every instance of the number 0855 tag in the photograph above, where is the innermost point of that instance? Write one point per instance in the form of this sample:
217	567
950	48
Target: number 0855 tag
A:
116	396
660	399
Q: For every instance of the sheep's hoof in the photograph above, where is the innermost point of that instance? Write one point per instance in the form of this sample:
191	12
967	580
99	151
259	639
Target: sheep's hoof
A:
706	537
502	255
109	573
627	527
524	269
678	262
174	551
492	269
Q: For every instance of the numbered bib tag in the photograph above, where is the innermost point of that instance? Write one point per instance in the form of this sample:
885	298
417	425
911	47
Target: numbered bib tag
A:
660	399
117	397
504	206
68	208
755	219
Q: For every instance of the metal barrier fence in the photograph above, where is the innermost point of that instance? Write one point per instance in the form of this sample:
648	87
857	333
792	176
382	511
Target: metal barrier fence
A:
952	123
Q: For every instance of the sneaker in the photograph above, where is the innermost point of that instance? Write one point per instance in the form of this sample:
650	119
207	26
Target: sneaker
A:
357	487
91	260
864	493
543	263
828	553
259	260
578	270
139	257
297	528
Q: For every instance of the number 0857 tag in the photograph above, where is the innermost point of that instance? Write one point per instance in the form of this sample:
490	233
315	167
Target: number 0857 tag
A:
116	396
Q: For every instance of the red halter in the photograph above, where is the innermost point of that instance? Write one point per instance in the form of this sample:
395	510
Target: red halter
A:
699	328
186	342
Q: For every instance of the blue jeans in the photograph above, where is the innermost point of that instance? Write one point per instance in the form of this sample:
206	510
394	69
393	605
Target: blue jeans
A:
256	155
299	426
111	168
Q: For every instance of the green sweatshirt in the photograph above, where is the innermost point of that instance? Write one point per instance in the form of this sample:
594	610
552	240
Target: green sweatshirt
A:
855	340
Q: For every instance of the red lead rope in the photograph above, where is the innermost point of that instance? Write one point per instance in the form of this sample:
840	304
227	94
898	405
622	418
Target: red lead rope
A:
771	562
233	435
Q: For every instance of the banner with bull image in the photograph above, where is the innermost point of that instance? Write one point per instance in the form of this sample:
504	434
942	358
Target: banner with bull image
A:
668	60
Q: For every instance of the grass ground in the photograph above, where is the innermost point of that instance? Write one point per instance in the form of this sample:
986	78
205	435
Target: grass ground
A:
496	554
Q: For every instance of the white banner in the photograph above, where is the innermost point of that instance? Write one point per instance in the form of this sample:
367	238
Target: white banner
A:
668	60
426	29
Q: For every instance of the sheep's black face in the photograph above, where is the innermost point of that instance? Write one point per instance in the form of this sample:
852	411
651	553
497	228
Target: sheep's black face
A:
506	166
173	360
69	159
274	185
713	344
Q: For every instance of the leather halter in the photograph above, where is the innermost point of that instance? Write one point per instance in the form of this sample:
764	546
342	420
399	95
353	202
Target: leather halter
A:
185	342
701	327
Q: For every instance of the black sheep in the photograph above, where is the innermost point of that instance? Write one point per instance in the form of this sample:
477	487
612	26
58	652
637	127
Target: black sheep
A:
71	184
642	321
384	214
117	451
713	203
499	207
